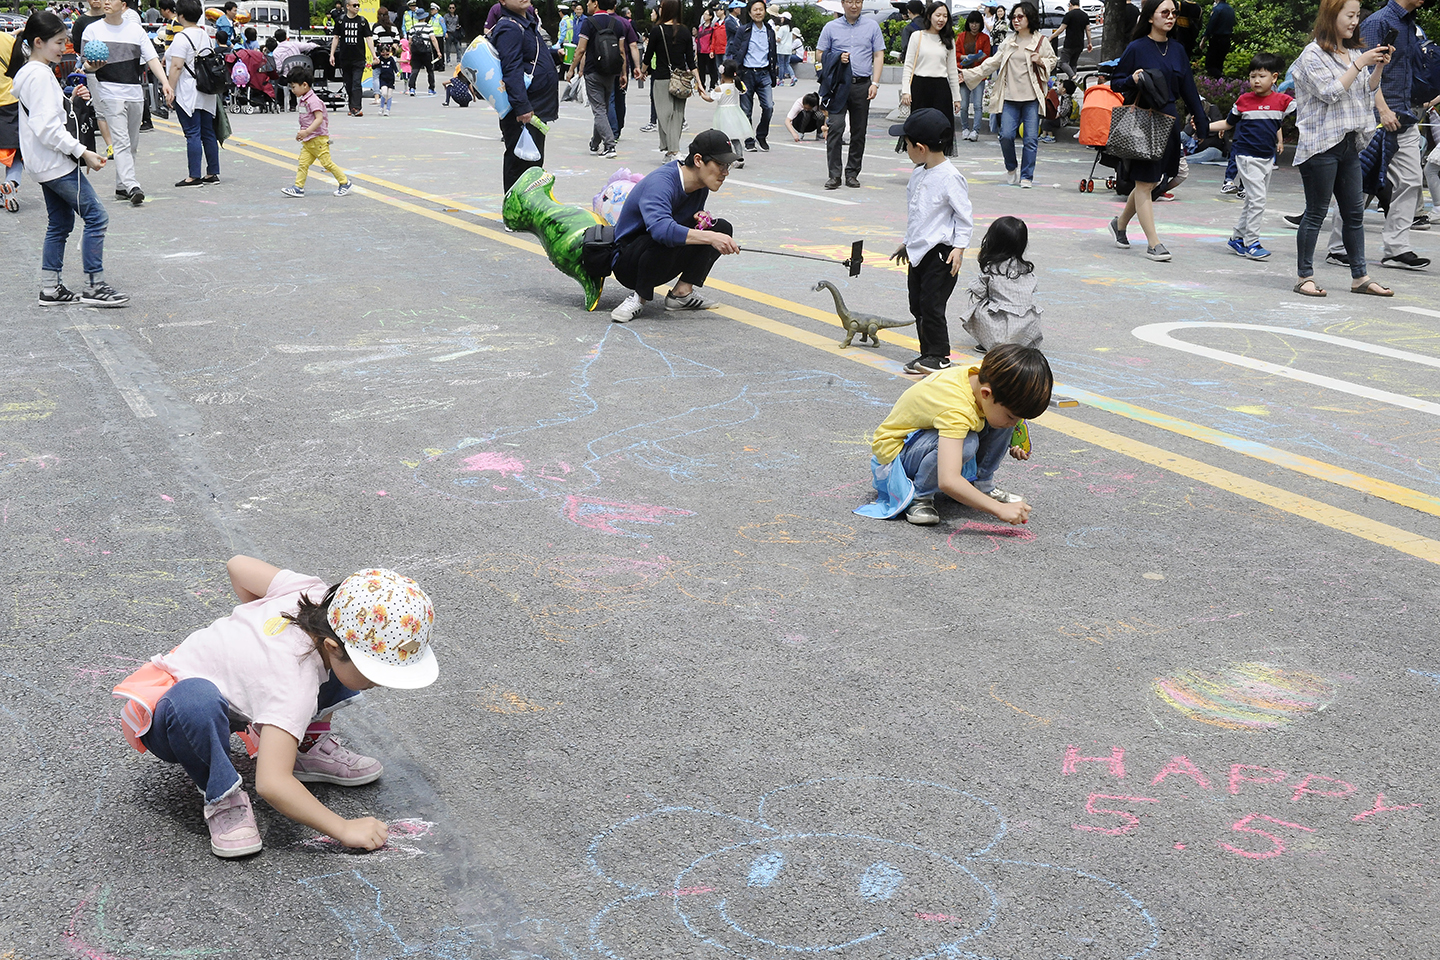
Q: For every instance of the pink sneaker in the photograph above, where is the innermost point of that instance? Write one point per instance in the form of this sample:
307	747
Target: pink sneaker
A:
232	826
329	762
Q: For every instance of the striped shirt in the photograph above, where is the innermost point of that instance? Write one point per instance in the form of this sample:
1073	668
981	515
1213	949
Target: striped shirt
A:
1256	121
1326	112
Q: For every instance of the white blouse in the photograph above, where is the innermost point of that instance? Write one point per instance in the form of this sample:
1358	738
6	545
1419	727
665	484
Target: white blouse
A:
927	56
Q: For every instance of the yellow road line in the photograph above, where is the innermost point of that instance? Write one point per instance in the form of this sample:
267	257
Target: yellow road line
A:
1334	517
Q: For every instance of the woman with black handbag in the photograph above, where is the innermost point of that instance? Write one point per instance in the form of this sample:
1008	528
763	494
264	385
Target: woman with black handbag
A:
196	110
670	55
1153	55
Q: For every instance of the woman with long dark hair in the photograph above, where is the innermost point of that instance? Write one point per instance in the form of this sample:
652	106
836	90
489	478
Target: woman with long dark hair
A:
1335	87
932	77
669	52
1021	67
1152	49
972	48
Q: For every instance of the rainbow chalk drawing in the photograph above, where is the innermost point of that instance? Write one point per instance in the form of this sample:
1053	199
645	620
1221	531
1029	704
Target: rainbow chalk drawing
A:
1245	696
862	867
403	834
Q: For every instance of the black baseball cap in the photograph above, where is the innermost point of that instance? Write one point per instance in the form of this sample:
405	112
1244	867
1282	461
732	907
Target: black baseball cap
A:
714	145
924	126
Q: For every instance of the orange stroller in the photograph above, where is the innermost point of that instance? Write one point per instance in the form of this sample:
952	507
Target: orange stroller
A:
1095	130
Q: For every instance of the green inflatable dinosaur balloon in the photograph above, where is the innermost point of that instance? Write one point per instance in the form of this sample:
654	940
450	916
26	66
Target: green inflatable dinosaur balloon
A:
531	205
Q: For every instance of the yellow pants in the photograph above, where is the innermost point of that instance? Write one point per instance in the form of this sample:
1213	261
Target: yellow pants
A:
316	150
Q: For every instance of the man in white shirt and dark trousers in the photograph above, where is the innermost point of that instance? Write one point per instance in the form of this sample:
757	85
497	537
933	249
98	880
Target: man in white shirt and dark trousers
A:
119	92
938	226
859	44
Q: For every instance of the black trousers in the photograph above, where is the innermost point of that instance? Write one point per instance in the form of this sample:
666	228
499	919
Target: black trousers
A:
426	62
857	110
930	285
644	262
1216	51
350	73
510	130
1071	55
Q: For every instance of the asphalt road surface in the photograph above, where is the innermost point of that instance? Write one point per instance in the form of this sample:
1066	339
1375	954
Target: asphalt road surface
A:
690	705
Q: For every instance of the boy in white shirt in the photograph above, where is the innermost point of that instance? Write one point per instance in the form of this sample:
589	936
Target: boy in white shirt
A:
937	231
119	92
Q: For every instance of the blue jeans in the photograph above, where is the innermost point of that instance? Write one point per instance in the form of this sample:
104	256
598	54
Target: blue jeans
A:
191	727
1336	172
13	172
757	80
64	197
972	105
199	130
785	69
983	453
1015	113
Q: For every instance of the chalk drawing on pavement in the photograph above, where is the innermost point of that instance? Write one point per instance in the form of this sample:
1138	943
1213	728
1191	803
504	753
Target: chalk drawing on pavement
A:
850	867
1245	696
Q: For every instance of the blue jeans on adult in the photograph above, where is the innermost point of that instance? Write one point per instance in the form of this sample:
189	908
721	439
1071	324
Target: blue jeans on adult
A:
64	197
972	105
1336	172
983	453
199	130
786	71
757	80
1012	116
191	727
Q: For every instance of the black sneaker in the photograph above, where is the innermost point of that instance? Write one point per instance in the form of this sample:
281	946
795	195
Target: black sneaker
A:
147	128
58	296
137	196
764	146
749	144
924	366
1406	261
1422	222
122	194
1338	259
1292	220
103	295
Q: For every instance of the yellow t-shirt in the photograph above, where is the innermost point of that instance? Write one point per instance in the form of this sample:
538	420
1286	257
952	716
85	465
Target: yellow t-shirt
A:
942	401
7	86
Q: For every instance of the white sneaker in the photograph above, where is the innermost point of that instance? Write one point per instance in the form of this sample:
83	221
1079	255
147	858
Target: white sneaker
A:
1025	184
694	300
628	310
1012	177
995	493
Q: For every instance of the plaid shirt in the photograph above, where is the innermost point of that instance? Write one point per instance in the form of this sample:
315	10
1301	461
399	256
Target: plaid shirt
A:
1325	110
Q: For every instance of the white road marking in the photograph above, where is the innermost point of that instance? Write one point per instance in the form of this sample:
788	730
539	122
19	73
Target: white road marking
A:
111	365
1419	310
793	193
1159	334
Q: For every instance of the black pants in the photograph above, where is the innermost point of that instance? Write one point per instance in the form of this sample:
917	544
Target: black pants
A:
510	130
424	62
1215	53
1071	55
930	285
350	73
857	109
644	262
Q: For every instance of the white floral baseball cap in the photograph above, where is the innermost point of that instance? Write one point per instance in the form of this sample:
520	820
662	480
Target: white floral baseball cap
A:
384	620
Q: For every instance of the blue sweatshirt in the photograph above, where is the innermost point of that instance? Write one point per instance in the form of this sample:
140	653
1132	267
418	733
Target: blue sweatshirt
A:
659	205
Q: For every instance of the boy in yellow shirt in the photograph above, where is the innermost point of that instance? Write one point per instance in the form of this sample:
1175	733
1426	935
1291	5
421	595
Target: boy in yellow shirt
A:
949	432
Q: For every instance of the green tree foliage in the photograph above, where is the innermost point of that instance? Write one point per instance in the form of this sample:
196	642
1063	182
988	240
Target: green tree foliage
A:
809	20
1281	27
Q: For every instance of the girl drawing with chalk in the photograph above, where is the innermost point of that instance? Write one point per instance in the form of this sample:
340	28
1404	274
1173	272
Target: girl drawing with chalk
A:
291	654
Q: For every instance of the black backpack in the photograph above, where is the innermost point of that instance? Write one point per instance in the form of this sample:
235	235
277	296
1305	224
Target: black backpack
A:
209	73
80	121
609	57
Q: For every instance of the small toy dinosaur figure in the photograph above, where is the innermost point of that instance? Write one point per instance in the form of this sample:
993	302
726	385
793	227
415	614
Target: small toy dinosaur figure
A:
862	323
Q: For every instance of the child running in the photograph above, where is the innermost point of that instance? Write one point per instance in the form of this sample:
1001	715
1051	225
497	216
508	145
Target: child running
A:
729	118
291	654
54	157
314	136
937	230
949	432
1256	119
1004	294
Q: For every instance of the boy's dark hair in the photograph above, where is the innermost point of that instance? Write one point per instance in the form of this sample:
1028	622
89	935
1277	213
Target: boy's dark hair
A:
167	4
1004	248
1269	62
230	5
301	73
915	8
251	35
811	101
1019	379
270	44
608	5
189	10
280	36
313	618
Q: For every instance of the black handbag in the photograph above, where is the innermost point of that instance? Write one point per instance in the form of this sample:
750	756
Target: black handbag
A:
597	252
1137	133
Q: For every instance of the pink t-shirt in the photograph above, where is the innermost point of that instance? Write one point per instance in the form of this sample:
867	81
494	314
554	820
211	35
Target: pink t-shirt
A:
264	665
310	104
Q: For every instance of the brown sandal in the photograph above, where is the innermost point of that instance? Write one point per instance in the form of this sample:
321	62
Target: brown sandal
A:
1372	289
1315	290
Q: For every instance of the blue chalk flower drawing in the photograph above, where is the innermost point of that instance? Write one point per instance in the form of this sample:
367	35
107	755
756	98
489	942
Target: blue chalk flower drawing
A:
863	867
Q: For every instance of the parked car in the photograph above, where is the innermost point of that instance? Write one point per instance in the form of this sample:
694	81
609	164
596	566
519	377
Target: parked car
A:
11	21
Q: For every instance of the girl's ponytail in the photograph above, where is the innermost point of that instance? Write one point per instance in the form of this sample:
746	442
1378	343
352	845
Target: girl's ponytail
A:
41	26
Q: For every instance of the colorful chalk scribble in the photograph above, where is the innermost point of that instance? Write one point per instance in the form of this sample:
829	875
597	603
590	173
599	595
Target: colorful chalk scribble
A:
1246	696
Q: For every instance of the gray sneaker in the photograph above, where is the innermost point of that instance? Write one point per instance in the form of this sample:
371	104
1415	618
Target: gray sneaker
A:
694	300
1119	235
1158	253
1004	496
922	512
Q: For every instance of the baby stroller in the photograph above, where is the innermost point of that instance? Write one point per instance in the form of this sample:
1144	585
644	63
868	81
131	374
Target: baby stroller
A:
256	94
1095	131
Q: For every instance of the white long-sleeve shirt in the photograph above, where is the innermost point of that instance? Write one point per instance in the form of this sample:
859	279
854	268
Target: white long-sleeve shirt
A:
926	56
49	150
938	210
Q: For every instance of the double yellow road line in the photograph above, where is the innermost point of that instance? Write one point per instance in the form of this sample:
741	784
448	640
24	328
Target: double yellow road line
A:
1374	531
